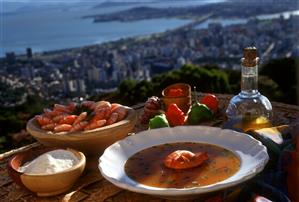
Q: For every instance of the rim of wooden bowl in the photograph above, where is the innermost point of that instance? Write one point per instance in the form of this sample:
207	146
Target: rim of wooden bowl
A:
186	88
81	161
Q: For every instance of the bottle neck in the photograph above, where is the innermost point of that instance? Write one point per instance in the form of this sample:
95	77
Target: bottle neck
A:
249	81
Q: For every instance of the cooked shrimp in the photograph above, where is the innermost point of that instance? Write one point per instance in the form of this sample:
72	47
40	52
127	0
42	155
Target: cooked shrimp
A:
102	113
88	104
80	118
50	114
121	110
183	159
95	124
43	120
58	118
68	119
49	126
113	118
114	106
79	126
98	116
72	106
62	108
102	104
63	128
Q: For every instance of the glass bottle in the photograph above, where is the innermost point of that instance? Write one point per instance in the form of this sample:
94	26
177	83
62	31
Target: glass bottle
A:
249	109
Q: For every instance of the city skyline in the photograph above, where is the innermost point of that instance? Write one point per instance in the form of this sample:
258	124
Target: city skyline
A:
90	70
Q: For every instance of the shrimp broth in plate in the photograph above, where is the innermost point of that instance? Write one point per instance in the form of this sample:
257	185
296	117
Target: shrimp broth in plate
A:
147	166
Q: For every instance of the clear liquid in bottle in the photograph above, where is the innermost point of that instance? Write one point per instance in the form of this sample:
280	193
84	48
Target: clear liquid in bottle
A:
249	109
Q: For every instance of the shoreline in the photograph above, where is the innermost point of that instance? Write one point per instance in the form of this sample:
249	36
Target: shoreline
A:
134	37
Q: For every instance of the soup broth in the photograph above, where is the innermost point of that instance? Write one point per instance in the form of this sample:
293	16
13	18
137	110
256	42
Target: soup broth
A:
147	167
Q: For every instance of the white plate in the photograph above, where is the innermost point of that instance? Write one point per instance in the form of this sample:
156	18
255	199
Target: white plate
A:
252	153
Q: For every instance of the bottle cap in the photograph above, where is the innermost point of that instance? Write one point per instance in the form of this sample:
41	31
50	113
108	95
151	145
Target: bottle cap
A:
250	57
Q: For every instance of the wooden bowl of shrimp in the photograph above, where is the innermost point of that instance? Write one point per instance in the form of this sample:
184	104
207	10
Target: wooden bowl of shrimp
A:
89	127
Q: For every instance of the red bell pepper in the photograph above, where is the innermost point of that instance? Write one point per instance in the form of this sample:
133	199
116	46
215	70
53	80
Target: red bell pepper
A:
211	101
175	115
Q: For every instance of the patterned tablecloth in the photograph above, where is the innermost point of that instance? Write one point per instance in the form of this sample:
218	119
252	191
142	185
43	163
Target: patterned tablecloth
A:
93	187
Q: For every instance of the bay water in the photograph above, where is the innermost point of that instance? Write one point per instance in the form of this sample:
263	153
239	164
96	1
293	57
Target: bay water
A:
60	28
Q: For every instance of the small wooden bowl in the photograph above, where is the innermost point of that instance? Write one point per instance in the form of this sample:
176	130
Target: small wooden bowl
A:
47	184
91	142
183	102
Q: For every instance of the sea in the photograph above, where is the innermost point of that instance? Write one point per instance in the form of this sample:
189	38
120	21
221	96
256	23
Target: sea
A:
61	27
48	28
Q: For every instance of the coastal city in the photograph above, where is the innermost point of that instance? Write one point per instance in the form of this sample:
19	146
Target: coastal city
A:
96	69
149	100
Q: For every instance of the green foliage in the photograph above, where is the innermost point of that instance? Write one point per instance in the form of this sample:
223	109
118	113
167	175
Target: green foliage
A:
272	82
9	123
126	91
283	72
143	89
270	88
208	79
234	79
14	119
131	92
34	105
9	94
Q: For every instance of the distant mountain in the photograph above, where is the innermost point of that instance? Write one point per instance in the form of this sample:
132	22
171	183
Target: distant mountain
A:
110	3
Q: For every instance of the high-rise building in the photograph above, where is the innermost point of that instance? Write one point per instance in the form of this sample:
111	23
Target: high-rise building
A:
29	53
81	88
11	57
93	74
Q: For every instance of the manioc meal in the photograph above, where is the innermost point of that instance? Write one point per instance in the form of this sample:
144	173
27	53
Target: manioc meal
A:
182	165
87	115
